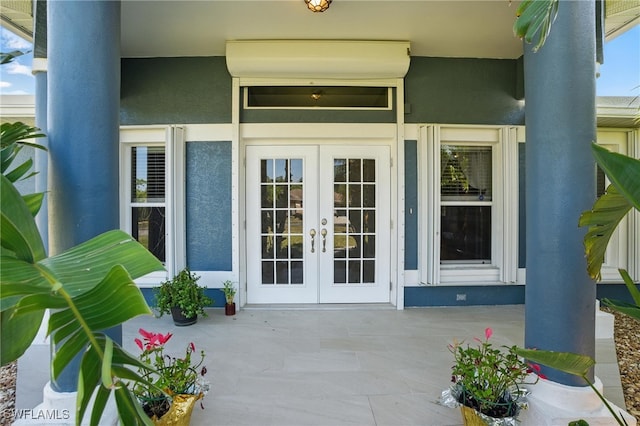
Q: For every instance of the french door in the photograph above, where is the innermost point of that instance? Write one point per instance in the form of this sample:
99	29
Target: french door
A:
318	224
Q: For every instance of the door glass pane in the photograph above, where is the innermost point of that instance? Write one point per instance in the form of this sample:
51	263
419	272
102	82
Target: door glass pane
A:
282	213
354	226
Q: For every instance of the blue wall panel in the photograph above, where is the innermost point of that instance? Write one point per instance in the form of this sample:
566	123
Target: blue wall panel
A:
214	293
474	295
208	210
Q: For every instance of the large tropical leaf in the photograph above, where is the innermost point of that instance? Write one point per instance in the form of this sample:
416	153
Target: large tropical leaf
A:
575	364
90	285
602	220
534	19
91	372
623	172
82	267
17	334
18	230
34	202
113	301
626	308
5	58
76	271
10	133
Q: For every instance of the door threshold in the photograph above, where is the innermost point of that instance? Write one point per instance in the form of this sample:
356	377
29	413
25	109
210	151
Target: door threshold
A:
317	306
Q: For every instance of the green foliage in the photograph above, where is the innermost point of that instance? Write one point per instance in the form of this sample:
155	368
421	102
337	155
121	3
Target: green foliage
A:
13	138
486	374
623	172
633	310
622	195
534	20
184	292
170	376
576	364
90	287
5	58
578	423
602	220
229	291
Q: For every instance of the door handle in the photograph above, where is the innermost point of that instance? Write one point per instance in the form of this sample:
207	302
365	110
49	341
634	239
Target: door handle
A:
323	232
313	239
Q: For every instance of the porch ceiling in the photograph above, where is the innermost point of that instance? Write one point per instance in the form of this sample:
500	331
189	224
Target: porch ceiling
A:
454	28
446	28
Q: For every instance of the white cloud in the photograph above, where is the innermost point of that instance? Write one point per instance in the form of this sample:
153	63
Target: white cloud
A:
10	41
15	92
4	84
16	67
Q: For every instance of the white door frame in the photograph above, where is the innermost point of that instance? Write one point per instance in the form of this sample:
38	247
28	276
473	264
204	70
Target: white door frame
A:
322	134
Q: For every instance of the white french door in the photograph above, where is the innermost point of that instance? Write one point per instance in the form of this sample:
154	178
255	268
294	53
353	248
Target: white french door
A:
318	224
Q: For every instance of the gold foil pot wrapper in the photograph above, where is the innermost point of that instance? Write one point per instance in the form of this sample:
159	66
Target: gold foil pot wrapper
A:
449	398
180	412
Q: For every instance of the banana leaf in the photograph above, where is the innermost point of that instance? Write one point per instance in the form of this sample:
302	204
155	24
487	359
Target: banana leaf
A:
534	19
623	172
602	220
633	310
18	230
575	364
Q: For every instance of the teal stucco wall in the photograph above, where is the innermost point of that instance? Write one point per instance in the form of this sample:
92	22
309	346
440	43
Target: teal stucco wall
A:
175	91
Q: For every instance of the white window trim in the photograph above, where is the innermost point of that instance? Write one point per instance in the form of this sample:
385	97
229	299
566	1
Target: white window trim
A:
171	137
504	246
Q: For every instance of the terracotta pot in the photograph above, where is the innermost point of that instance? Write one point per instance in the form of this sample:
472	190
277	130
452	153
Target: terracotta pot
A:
180	320
230	309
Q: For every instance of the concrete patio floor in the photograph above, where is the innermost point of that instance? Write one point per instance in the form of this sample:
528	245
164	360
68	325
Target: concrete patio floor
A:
327	365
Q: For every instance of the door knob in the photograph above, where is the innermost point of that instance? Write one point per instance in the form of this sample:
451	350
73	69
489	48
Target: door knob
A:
323	232
312	232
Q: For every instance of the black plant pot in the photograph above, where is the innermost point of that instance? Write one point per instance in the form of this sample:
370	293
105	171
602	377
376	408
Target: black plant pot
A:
180	320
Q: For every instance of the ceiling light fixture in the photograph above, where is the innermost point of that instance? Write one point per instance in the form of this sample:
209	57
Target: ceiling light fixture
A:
318	5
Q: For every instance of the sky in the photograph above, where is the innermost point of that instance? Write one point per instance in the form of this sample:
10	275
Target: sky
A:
619	75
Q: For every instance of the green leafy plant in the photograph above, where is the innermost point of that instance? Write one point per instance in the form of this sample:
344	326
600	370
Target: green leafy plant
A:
534	20
171	375
576	364
487	379
621	196
229	291
89	286
183	292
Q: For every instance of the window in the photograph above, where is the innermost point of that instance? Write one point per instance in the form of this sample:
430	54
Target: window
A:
469	191
465	204
327	97
147	193
148	198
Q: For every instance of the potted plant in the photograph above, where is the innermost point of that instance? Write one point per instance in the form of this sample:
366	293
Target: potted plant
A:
174	385
229	293
182	297
486	382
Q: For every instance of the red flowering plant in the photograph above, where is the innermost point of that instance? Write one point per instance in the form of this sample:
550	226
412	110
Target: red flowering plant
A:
488	379
169	375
